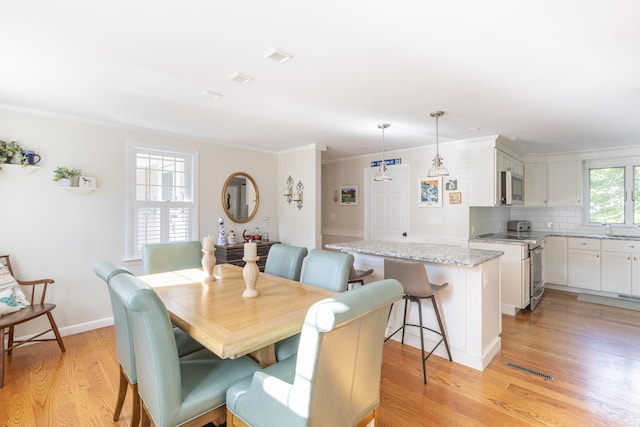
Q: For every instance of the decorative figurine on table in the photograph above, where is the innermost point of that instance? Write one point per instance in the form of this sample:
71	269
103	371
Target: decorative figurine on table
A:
265	233
231	238
221	240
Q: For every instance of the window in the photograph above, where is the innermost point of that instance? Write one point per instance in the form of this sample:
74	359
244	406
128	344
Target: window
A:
614	193
162	204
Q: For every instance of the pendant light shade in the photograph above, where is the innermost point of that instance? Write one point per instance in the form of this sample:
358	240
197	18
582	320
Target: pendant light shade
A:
382	174
438	169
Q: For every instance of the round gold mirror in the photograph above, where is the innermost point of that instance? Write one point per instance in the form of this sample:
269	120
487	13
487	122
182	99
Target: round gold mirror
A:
240	197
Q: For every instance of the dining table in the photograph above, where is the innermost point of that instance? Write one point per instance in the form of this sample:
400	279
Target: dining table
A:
216	314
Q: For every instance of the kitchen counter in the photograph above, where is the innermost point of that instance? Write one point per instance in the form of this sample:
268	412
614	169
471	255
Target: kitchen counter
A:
539	236
438	254
469	306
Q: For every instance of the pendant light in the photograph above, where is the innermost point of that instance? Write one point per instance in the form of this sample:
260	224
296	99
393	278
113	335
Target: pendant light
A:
438	169
382	174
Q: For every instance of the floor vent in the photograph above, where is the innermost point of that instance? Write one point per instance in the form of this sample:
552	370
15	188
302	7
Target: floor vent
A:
529	371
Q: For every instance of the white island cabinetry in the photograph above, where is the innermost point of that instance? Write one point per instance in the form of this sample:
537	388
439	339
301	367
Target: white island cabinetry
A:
469	306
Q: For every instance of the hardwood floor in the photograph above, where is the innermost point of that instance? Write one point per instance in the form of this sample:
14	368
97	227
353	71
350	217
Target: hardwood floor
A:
593	352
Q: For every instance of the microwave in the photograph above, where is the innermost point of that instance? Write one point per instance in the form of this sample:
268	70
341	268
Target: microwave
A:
511	188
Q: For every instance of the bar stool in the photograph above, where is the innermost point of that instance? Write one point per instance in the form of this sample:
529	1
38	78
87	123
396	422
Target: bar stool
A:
415	282
357	276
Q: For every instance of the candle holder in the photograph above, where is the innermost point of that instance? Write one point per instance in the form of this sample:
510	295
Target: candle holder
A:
208	263
250	273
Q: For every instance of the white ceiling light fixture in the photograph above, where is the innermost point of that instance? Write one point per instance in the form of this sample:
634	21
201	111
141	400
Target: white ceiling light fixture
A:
438	169
211	94
278	55
243	79
382	174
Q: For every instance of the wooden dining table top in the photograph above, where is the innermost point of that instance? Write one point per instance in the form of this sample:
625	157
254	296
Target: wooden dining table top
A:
218	316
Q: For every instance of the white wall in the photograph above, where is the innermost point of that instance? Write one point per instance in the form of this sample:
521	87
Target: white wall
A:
300	227
438	225
52	234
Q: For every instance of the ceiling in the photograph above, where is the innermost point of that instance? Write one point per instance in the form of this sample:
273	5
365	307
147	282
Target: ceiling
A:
553	76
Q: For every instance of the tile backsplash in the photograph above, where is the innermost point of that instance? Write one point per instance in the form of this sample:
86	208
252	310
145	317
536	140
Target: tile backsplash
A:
559	218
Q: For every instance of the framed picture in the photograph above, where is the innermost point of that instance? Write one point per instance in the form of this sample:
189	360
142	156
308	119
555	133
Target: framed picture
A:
430	192
455	198
87	182
451	185
349	195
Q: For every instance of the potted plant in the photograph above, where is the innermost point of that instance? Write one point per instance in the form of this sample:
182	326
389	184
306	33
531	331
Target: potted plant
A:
63	175
11	152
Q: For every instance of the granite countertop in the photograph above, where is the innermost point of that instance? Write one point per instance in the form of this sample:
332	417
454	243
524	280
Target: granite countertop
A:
591	236
425	252
538	236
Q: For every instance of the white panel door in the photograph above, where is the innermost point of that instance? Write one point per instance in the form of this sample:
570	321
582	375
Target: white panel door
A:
387	216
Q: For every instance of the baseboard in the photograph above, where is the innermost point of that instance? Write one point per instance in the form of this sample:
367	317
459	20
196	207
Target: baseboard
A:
76	329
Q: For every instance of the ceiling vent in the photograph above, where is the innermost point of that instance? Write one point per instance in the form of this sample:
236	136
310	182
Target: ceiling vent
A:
240	78
211	94
278	55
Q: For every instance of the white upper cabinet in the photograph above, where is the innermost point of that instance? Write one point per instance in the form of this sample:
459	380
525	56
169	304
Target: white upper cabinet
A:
564	183
553	184
535	184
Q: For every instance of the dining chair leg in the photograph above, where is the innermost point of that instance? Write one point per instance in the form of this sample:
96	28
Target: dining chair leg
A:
146	421
10	341
135	418
3	357
424	359
122	393
54	327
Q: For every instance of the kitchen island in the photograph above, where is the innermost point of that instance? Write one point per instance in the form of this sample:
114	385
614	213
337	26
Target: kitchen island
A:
470	305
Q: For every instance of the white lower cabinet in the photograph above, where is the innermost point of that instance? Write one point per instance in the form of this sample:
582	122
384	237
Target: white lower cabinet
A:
514	274
584	263
554	266
621	267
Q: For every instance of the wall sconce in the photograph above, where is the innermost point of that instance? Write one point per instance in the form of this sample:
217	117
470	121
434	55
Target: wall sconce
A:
288	190
298	196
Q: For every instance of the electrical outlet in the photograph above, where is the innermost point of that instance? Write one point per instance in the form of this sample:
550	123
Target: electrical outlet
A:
549	224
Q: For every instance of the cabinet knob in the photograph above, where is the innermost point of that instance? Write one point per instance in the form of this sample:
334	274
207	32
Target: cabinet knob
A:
635	259
628	258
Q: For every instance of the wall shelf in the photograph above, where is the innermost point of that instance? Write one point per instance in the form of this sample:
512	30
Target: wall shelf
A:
12	169
78	191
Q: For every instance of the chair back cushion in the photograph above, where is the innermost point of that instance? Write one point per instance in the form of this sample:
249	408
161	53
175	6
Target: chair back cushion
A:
412	275
339	363
285	261
327	269
106	270
156	355
334	380
161	257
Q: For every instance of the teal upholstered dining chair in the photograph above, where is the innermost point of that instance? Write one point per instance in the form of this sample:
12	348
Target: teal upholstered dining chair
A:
285	261
107	270
335	378
161	257
188	390
325	269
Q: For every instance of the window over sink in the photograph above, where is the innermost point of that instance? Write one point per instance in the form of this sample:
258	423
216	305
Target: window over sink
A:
613	192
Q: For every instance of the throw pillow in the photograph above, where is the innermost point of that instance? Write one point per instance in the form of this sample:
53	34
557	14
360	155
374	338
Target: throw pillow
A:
8	303
7	281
